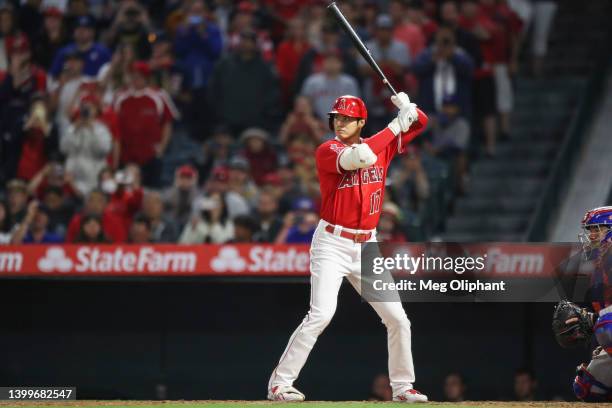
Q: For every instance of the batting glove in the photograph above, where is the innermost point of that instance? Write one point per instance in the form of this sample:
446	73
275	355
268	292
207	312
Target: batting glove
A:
405	118
401	100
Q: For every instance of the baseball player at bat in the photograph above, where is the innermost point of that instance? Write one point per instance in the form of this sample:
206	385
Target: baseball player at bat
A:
574	326
352	173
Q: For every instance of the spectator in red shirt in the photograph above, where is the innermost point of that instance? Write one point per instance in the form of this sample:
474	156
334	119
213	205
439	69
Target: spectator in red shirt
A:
20	85
405	30
505	58
126	199
288	57
416	15
145	124
97	205
484	95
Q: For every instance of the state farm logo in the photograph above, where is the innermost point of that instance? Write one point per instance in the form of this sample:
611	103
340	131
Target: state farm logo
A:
11	261
55	260
229	259
118	260
263	259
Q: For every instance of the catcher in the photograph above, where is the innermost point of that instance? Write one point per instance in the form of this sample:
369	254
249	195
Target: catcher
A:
574	326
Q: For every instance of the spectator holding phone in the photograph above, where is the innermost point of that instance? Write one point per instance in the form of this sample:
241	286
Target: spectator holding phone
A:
86	144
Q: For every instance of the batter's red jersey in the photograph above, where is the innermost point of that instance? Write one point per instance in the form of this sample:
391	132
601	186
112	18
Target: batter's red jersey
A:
353	199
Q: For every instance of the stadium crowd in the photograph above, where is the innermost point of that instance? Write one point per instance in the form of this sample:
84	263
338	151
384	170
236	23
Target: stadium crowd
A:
93	91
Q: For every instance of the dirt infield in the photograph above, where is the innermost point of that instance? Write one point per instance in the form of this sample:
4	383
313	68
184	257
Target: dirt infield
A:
310	404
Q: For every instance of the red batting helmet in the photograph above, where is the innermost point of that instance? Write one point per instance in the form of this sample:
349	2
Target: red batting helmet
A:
350	106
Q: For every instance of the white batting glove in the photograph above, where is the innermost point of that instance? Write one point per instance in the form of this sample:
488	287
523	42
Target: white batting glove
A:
405	118
401	100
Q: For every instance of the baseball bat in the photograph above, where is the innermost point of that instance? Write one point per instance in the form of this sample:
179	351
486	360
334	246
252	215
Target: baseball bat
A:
363	50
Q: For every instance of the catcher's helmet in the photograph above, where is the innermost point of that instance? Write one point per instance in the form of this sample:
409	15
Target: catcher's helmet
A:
597	217
350	106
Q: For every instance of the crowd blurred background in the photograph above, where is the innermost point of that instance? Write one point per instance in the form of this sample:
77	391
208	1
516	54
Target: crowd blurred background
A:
196	121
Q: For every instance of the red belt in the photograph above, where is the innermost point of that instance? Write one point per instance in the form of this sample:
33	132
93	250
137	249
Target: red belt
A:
358	237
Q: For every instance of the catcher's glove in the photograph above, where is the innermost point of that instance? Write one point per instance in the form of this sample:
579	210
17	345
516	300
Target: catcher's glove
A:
572	325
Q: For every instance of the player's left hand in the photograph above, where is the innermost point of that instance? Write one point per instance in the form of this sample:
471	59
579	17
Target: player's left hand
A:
401	100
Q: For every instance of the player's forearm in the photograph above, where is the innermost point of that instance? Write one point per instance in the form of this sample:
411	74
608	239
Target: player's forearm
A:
380	140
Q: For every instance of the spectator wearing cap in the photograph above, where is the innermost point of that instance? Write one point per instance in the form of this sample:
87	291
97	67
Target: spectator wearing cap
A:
131	26
162	228
269	222
324	87
443	70
179	198
144	117
245	229
219	182
288	56
86	145
313	61
17	200
393	58
404	30
94	54
33	229
259	153
301	122
389	226
96	204
50	38
244	89
198	46
211	222
240	179
21	85
299	224
140	230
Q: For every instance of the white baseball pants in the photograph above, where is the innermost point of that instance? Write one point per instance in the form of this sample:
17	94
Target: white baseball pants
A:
332	258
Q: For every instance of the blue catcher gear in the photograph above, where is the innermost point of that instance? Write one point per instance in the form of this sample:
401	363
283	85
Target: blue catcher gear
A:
597	228
603	330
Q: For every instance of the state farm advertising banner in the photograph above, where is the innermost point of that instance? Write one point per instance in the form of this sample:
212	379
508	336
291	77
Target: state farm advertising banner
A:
500	259
154	260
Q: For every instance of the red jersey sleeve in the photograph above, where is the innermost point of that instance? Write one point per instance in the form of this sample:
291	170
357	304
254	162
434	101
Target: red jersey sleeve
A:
328	157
